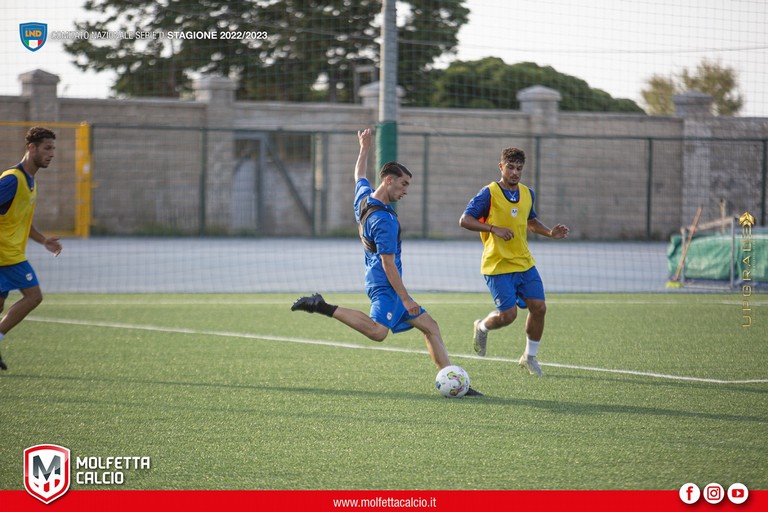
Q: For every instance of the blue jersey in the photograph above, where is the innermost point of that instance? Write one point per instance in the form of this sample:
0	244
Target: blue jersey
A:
8	186
480	206
381	227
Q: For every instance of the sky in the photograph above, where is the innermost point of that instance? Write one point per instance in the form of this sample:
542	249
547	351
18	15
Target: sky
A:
614	45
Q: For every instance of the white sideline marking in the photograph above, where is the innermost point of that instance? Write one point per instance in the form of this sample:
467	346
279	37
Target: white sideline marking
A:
129	301
226	334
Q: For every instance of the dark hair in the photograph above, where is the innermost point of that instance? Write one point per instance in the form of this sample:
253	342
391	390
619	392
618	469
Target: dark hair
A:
394	169
38	134
513	155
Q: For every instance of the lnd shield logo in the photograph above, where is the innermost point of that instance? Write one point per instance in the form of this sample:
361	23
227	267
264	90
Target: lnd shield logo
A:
33	35
46	471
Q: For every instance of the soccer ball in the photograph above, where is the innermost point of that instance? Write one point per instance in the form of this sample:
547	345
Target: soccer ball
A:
452	381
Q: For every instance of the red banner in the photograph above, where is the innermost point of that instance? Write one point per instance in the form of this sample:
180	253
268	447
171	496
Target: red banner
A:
468	501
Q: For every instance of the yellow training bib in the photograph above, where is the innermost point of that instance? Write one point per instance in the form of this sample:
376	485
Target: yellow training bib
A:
500	256
17	221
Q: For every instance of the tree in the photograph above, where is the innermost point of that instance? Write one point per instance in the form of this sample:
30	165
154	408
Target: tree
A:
294	50
658	96
710	78
491	83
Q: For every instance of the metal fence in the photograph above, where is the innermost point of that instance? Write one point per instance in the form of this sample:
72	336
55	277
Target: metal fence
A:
202	181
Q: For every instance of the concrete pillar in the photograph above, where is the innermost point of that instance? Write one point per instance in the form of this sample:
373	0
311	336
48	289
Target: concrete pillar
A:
695	109
218	93
369	94
543	105
693	104
40	87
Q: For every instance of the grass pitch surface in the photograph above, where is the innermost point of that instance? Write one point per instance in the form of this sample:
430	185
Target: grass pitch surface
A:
237	392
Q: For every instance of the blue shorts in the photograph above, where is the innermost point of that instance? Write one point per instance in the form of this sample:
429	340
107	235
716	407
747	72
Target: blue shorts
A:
512	289
17	277
388	310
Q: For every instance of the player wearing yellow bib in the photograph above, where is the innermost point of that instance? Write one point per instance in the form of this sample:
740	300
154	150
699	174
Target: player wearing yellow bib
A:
503	213
18	195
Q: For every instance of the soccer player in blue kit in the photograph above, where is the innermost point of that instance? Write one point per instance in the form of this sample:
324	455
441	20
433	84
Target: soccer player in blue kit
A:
392	307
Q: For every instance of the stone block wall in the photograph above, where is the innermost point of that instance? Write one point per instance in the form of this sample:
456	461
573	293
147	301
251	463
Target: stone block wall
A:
170	165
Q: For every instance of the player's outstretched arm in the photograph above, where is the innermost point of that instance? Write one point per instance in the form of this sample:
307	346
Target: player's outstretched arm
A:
361	167
396	281
557	232
50	243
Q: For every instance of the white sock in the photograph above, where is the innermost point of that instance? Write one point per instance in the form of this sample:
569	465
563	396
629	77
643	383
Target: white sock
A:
531	347
2	336
482	326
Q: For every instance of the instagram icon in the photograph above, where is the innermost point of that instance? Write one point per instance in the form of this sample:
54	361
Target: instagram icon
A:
713	493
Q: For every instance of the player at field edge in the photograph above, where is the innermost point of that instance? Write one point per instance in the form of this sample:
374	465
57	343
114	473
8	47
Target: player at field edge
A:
392	307
18	195
503	213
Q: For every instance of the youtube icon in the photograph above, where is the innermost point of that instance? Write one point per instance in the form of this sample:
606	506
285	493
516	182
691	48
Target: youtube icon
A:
738	493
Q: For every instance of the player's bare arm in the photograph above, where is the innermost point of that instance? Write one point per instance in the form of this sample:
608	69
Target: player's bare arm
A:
361	167
50	243
390	268
558	232
473	224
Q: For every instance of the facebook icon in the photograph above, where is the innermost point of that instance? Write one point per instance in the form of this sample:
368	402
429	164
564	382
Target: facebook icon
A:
689	493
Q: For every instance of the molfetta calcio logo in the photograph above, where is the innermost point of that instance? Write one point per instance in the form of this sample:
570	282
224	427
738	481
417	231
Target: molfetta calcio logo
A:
33	35
49	469
46	471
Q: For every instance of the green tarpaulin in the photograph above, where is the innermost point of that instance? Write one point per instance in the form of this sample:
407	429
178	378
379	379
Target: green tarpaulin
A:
709	257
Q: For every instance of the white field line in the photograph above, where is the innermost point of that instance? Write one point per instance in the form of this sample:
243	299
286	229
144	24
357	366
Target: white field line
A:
142	302
304	341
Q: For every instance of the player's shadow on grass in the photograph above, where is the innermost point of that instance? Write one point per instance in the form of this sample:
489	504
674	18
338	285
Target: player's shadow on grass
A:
554	406
577	408
260	388
649	381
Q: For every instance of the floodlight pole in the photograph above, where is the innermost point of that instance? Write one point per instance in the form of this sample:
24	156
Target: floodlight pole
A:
386	134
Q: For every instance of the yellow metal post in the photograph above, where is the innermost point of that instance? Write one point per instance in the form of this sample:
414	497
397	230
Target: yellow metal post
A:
83	180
